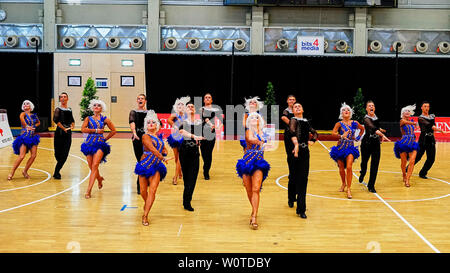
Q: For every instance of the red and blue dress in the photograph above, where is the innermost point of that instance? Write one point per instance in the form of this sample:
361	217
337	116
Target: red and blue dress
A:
95	141
345	147
27	137
253	160
151	163
408	142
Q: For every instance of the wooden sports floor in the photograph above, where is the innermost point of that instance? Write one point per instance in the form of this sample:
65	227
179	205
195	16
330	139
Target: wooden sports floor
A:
46	215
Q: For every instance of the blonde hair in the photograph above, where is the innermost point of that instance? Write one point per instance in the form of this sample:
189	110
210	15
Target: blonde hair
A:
31	105
409	108
345	106
92	102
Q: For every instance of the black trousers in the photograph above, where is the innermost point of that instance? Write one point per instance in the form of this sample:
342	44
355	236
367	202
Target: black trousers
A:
289	146
190	162
429	147
370	150
207	147
138	151
61	143
299	175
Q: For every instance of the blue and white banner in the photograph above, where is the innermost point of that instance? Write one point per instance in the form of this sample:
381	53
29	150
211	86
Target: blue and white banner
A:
310	45
6	137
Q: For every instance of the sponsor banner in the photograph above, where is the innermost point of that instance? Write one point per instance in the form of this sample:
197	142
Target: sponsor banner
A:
442	123
6	137
166	129
310	45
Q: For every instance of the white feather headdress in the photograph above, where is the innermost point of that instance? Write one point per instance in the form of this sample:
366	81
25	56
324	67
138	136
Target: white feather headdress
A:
259	104
255	115
182	100
92	102
345	106
29	102
409	108
151	116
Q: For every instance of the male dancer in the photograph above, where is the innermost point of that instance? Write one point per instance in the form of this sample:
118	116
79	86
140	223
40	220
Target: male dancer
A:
209	131
370	146
136	121
63	135
427	142
289	146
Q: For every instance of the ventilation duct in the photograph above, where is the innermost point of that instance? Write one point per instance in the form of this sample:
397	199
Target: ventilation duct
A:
68	42
11	41
91	42
193	43
239	44
282	44
376	46
113	42
34	41
216	44
136	42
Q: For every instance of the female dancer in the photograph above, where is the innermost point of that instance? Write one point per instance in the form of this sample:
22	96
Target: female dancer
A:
252	105
344	153
209	114
370	146
28	139
191	130
288	146
95	147
175	139
150	168
64	121
300	130
407	147
252	168
136	120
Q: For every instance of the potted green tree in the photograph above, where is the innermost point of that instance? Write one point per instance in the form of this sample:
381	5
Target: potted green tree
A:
88	94
270	101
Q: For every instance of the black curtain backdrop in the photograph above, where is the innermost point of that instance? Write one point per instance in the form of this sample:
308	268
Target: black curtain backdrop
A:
321	84
18	83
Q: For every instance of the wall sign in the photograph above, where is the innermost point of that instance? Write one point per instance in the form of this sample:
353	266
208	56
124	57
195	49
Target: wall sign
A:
73	80
101	82
310	45
126	80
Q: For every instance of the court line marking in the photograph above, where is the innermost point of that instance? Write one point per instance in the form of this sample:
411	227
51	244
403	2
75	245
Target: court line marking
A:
179	230
32	185
56	194
396	213
277	181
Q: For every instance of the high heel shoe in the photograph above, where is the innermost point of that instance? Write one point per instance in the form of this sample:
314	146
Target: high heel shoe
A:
145	220
87	196
349	194
25	175
10	176
174	181
407	184
100	182
342	189
253	224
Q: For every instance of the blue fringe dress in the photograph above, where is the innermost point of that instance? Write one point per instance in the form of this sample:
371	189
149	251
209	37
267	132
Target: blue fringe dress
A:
407	143
27	138
345	147
253	160
175	138
93	141
151	164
